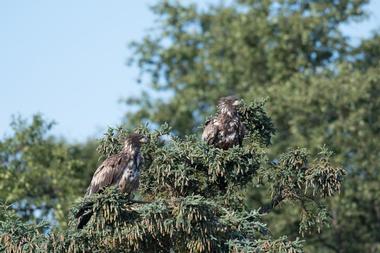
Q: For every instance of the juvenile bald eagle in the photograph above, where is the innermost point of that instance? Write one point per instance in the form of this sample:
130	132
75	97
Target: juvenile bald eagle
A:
122	169
226	128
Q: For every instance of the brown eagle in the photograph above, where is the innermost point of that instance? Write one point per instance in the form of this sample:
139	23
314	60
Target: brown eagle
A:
225	129
122	169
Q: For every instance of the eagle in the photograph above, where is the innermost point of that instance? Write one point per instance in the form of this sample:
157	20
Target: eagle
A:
122	170
226	129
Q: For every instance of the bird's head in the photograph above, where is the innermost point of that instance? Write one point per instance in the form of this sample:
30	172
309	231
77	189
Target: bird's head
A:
228	104
135	140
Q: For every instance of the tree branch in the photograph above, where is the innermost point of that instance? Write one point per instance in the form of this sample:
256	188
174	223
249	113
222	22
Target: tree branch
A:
275	201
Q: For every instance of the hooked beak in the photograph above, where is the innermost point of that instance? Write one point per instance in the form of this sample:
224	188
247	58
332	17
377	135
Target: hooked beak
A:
144	139
236	103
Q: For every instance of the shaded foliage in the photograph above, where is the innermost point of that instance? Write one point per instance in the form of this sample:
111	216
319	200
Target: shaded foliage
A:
192	197
197	55
289	51
321	89
41	175
339	109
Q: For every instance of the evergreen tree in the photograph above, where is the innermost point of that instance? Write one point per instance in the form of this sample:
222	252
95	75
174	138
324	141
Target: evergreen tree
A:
322	90
192	198
196	55
338	108
41	175
289	51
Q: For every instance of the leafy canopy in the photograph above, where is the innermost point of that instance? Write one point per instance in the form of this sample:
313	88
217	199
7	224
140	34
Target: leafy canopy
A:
322	90
192	197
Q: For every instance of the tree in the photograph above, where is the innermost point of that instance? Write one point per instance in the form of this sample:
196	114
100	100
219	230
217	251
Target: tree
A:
321	91
197	55
339	109
41	175
192	198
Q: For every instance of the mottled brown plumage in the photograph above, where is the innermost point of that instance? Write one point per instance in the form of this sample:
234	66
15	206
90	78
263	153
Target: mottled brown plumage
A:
226	129
122	169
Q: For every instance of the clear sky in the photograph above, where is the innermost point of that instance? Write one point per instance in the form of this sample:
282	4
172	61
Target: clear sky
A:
66	60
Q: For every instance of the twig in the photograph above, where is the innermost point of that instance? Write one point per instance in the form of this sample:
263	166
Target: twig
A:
275	201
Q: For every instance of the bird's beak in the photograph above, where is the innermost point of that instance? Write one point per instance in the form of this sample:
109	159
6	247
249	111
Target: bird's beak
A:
144	139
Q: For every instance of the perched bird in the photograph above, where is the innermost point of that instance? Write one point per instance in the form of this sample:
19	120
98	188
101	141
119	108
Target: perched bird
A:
226	129
122	169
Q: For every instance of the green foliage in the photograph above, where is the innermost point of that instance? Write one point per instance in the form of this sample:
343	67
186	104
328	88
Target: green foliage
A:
39	174
16	235
185	224
289	51
198	54
322	91
192	197
367	54
296	178
338	108
257	122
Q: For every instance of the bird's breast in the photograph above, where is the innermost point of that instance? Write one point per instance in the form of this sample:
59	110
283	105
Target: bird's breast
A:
129	181
131	172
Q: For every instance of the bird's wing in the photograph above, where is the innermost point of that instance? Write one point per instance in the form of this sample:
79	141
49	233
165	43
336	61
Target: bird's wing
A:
210	131
108	173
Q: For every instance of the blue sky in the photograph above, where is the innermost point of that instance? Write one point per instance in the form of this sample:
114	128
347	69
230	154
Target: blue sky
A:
66	60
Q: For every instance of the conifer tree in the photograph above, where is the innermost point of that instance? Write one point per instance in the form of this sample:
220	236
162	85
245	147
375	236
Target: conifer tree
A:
192	198
323	89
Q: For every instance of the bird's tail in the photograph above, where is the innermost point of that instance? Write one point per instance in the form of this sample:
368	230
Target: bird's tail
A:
84	215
